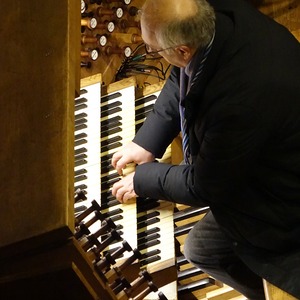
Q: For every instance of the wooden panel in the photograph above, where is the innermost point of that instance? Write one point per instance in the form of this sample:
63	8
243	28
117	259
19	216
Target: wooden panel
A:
39	64
274	293
60	272
285	12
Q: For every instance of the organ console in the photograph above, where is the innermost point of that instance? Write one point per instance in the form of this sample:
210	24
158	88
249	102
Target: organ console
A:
49	253
63	235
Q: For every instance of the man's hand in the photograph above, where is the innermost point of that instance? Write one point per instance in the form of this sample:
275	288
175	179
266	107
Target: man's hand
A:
130	153
123	189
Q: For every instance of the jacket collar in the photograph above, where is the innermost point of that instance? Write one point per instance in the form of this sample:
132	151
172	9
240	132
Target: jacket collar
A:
224	28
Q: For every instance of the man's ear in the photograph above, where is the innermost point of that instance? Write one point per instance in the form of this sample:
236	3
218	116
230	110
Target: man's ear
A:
185	52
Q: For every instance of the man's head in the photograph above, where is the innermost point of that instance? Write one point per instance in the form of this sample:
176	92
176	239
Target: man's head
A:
180	26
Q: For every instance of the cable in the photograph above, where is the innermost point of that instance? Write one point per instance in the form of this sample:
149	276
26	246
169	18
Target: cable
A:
135	65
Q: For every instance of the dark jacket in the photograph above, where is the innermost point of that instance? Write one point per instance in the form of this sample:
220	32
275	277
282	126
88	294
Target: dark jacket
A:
244	125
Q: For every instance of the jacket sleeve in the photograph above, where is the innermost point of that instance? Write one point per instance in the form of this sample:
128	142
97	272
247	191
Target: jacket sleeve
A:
231	140
168	182
162	124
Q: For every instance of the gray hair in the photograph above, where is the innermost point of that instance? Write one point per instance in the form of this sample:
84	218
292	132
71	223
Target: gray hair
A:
195	31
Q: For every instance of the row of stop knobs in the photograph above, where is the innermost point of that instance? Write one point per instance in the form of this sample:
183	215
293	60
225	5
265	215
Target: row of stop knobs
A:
110	18
101	40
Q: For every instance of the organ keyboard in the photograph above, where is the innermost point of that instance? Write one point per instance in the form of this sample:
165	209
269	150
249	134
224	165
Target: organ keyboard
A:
117	129
103	124
87	140
156	233
147	224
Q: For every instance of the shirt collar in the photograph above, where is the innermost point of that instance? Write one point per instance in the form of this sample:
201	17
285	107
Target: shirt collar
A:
194	62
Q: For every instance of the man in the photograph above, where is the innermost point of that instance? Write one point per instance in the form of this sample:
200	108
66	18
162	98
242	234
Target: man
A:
236	80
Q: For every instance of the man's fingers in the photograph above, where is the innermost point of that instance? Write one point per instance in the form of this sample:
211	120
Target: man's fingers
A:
121	195
116	162
123	190
115	158
120	165
118	190
116	187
